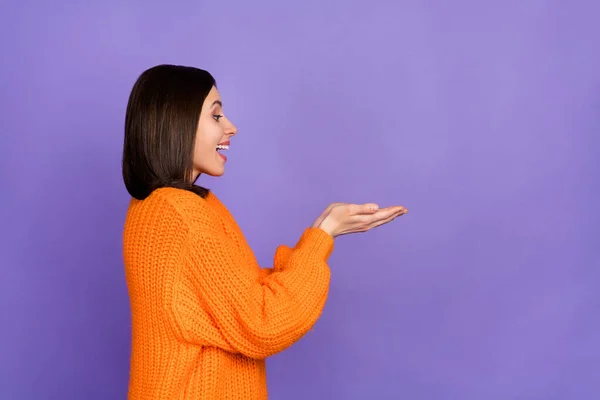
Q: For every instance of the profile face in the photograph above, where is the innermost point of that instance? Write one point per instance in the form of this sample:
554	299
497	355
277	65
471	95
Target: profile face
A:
212	137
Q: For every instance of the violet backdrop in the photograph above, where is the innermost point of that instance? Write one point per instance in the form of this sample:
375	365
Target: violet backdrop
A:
481	117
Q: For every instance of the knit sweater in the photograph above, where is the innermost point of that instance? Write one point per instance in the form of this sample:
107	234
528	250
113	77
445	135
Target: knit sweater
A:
205	315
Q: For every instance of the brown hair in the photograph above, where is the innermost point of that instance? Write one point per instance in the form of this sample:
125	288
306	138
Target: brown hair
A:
160	129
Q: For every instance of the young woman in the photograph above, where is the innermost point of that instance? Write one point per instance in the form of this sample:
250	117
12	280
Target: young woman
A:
205	316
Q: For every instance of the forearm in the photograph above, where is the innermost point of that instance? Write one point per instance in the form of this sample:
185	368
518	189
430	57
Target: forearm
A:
260	317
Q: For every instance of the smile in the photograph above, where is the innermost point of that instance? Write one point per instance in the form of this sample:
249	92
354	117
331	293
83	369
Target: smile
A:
222	147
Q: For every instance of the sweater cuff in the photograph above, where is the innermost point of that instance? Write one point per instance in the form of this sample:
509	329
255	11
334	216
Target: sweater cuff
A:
317	242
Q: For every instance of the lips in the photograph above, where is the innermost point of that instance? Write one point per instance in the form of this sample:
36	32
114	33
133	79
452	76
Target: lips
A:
223	146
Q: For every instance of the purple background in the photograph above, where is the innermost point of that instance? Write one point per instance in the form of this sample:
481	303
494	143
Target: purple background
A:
481	117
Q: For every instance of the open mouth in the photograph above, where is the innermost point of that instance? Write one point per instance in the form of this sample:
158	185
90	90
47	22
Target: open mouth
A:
222	147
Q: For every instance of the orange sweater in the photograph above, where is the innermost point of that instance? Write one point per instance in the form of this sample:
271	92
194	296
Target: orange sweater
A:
205	315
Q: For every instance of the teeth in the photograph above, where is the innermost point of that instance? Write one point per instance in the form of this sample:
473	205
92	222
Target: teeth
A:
222	147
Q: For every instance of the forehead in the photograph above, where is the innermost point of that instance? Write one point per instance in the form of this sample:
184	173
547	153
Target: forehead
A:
213	99
213	95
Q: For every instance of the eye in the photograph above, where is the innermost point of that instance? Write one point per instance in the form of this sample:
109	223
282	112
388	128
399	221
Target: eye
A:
217	117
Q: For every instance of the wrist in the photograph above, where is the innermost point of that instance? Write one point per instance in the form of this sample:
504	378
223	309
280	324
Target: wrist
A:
327	227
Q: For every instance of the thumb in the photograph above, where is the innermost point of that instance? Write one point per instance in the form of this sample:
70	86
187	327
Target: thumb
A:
370	208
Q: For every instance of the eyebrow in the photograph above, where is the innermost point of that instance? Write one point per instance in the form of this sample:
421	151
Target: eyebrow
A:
217	102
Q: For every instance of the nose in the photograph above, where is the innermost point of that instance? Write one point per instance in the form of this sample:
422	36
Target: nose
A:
231	129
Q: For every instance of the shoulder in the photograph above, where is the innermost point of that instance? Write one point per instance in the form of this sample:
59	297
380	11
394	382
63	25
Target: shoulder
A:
176	198
156	210
165	213
193	210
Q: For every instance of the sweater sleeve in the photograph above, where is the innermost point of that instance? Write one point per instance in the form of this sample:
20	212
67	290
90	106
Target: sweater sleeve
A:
261	314
282	255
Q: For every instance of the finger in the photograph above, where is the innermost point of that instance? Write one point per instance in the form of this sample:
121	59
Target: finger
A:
388	212
398	207
368	208
364	218
367	220
384	215
382	221
399	210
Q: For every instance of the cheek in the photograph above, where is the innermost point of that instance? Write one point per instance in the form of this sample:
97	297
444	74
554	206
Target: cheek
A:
202	150
206	139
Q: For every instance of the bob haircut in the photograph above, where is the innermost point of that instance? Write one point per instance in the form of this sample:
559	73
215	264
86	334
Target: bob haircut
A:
160	129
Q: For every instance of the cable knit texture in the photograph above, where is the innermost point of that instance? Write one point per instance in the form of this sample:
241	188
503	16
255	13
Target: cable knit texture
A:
204	314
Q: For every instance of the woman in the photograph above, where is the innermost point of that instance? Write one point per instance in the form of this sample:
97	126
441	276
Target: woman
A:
205	316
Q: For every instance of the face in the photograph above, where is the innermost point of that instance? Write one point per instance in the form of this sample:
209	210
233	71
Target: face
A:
212	137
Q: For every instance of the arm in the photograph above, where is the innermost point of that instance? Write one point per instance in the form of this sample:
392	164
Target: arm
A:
282	255
155	253
261	317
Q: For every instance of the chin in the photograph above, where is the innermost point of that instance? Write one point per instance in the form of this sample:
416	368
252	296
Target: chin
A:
210	169
215	172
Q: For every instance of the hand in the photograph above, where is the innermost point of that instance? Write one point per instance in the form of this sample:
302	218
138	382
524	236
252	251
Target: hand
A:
342	218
